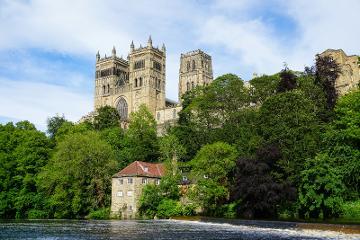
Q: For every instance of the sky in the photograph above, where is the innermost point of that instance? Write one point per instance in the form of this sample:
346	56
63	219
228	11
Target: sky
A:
48	47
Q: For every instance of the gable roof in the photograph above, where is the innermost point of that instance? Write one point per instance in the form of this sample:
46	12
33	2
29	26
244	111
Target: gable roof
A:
144	169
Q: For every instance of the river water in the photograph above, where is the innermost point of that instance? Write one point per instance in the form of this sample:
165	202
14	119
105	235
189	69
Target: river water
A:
156	229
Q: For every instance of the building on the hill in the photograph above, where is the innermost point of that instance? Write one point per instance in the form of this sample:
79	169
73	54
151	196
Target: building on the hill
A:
349	77
125	84
195	70
127	187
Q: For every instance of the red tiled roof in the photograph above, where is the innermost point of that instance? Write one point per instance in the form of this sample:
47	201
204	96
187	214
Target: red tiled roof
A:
139	168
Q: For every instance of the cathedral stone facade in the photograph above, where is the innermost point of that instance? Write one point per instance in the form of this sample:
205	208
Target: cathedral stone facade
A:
125	84
349	77
195	70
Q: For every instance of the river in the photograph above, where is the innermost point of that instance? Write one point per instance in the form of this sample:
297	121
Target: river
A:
157	229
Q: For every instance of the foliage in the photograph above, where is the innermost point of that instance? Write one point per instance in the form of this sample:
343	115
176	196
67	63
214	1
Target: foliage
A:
289	121
102	213
170	151
214	113
107	117
150	200
321	189
327	71
287	81
140	142
169	208
23	151
212	168
257	192
351	210
53	125
263	87
342	142
77	179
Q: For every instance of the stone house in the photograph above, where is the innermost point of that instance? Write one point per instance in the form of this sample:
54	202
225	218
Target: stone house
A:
127	187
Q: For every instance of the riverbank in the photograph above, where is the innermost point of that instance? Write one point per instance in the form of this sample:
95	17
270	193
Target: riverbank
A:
343	228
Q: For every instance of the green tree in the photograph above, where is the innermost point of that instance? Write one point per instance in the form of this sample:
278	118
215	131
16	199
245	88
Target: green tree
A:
263	87
23	152
212	169
77	179
53	125
289	121
321	189
141	142
342	142
217	112
327	70
106	117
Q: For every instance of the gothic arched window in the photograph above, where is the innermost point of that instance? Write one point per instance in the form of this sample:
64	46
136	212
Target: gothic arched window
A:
122	108
187	86
188	66
141	82
136	82
104	89
108	88
193	64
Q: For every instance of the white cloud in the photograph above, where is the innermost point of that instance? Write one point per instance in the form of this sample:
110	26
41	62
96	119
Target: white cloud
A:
235	32
250	41
37	101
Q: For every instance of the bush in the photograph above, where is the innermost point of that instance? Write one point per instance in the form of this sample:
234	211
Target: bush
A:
102	213
188	210
37	214
351	210
169	208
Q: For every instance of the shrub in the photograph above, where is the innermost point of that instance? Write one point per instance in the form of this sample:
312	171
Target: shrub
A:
351	210
169	208
102	213
37	214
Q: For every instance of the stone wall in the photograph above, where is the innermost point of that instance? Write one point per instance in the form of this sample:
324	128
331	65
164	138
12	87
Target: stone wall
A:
125	196
350	70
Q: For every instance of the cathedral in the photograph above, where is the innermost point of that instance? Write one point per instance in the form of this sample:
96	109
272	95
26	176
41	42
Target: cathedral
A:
125	84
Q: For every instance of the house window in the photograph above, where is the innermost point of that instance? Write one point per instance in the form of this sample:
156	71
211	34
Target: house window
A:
193	64
120	194
187	86
157	181
130	180
121	181
136	82
188	66
130	208
129	193
104	89
141	82
108	88
144	181
146	169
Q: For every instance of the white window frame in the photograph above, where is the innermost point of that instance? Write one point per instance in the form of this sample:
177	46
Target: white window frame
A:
129	193
120	194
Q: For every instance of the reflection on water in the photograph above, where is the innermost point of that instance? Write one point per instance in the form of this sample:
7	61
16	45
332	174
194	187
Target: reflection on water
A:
152	229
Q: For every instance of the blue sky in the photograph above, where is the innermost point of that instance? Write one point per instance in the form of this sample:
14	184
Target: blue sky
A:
47	48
